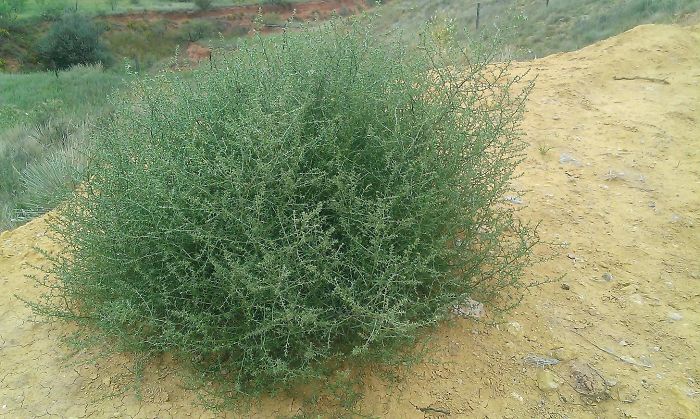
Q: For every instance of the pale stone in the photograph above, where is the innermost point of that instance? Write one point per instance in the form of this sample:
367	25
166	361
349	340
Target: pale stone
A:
547	381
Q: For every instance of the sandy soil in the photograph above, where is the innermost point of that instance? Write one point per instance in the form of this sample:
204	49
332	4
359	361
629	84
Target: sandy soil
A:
613	172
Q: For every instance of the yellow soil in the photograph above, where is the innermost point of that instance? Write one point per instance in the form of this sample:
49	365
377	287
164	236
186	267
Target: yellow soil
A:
628	207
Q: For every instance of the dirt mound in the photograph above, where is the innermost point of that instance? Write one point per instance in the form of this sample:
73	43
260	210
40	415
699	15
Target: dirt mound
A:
614	173
197	53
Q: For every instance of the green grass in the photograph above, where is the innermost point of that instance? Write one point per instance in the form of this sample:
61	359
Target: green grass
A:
539	30
75	94
42	125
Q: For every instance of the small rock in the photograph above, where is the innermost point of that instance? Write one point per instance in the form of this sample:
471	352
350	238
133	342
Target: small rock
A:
624	393
607	276
623	343
514	200
546	381
564	354
469	308
637	299
652	204
585	380
565	287
571	256
675	316
567	158
514	328
645	360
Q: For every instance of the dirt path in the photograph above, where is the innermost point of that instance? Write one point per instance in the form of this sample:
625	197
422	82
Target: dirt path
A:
619	191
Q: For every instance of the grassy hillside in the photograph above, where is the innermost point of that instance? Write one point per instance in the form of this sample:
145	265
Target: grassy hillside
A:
538	29
43	7
75	94
42	123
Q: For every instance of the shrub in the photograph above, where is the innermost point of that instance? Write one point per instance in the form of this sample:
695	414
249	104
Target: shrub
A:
39	168
311	199
55	10
282	3
12	6
203	4
273	19
196	29
112	4
47	181
72	40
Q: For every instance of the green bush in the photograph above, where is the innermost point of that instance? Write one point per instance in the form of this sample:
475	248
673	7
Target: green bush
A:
203	4
308	200
54	11
283	3
48	181
196	29
12	7
39	168
72	40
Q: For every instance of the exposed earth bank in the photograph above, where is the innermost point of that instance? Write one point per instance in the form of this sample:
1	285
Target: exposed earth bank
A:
613	172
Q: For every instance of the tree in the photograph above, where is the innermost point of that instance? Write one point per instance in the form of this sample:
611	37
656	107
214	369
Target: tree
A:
72	40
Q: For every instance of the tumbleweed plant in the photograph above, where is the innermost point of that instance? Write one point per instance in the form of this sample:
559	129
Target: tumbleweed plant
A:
311	199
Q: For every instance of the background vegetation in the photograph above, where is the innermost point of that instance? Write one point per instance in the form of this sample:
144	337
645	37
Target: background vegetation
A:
537	29
32	8
72	40
42	124
78	95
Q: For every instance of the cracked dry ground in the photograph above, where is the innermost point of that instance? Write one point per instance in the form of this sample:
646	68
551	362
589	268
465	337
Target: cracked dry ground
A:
613	171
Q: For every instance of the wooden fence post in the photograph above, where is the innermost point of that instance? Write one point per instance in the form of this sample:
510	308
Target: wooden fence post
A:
478	13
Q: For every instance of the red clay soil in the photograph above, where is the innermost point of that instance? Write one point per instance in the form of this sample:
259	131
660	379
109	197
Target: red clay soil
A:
197	53
240	19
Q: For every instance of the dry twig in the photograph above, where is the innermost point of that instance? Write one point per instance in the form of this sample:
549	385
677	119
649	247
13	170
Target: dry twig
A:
651	79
